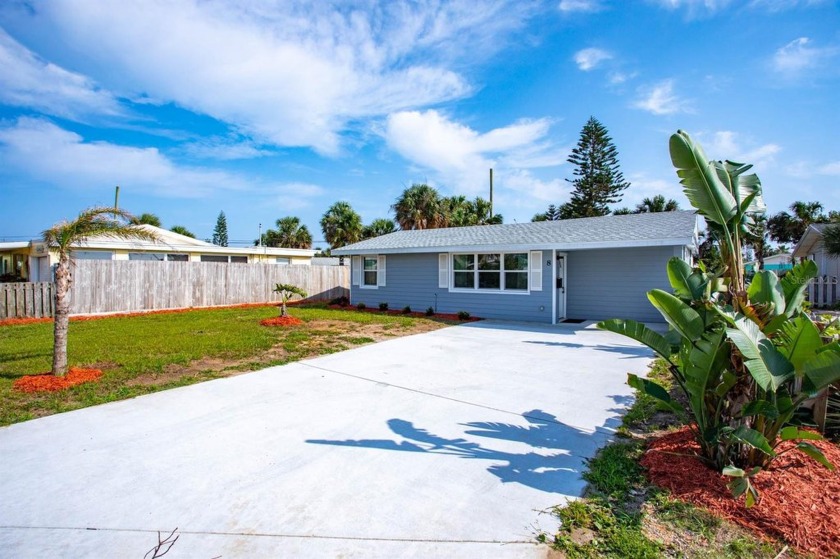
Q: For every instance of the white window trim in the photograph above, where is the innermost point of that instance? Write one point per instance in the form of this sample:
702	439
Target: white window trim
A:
380	269
501	290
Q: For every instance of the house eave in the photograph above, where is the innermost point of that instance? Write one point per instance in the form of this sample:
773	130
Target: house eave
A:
521	247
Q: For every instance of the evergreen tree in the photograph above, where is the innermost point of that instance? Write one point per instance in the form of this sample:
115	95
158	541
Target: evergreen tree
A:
551	214
599	181
220	233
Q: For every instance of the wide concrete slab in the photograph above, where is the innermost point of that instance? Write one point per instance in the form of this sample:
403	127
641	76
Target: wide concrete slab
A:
445	444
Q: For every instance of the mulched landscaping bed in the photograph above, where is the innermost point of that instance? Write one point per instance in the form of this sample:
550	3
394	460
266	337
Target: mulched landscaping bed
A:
51	383
799	498
443	316
281	321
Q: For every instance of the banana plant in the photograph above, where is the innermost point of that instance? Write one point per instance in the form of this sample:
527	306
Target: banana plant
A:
746	357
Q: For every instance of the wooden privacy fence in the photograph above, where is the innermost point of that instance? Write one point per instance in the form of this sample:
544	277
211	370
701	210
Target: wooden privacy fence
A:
22	300
103	286
822	291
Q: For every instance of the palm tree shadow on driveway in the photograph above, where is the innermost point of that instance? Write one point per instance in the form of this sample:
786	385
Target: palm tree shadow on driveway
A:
554	464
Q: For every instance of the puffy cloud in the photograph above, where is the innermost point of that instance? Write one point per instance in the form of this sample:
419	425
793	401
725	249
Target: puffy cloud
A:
798	56
29	81
285	73
571	6
694	7
726	144
660	99
831	169
45	152
588	59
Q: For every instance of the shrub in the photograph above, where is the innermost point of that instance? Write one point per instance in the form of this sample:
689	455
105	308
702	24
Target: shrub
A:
342	301
361	306
738	352
430	311
383	306
463	315
407	309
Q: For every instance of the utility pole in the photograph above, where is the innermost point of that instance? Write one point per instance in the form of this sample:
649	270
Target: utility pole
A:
491	193
116	201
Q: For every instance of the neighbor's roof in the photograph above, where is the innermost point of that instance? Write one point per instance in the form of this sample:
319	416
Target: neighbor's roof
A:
811	241
613	231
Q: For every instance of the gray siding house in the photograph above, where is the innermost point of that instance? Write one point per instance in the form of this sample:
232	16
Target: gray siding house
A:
591	268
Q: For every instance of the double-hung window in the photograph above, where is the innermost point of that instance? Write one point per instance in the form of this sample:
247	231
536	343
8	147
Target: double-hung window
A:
491	271
369	271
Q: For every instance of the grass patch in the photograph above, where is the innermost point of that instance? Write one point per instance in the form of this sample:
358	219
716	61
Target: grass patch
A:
143	354
622	516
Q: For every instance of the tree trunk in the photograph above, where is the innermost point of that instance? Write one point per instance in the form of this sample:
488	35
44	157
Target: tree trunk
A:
283	308
62	315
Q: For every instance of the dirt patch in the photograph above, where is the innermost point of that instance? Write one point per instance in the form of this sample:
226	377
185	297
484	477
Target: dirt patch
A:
800	499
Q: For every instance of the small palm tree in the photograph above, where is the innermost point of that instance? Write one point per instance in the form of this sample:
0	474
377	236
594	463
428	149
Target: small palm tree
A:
63	237
287	291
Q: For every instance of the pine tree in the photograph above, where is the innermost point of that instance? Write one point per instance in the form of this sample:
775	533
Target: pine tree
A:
551	214
599	181
220	233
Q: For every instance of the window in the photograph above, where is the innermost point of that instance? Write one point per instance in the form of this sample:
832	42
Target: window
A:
492	271
92	255
283	260
369	273
177	257
238	259
214	258
147	256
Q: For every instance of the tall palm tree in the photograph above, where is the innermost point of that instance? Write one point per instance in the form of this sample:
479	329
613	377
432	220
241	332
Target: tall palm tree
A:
657	204
341	225
181	230
787	227
377	228
291	234
419	207
65	235
147	218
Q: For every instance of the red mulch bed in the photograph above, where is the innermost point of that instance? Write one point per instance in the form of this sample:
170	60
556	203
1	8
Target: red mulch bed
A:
799	498
51	383
287	320
444	316
17	321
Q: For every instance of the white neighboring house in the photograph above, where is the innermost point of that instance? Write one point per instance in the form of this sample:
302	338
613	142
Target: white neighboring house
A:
810	247
33	260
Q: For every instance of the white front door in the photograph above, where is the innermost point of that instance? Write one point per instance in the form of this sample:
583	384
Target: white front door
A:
560	285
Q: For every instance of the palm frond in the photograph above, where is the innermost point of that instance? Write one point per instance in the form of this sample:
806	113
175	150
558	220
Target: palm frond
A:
96	222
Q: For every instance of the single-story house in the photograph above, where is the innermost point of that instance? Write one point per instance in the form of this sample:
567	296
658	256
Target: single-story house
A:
810	247
34	260
587	269
777	263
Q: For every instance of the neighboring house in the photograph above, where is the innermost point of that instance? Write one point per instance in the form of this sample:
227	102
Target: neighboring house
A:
591	268
810	247
33	261
777	263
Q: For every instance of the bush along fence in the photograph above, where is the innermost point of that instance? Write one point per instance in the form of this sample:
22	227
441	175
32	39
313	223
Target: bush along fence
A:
109	286
822	292
25	300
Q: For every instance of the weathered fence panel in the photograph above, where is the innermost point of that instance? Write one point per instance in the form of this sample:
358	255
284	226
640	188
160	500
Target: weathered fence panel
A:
129	286
25	299
823	292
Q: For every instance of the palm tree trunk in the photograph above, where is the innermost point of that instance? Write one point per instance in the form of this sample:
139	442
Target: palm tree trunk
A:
62	316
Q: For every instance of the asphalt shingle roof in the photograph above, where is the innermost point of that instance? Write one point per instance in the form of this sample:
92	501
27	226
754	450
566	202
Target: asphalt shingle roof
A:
648	229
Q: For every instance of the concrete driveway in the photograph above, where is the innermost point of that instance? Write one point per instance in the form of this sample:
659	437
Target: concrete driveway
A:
445	444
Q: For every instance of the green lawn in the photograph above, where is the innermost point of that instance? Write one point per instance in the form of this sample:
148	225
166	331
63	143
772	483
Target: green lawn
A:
144	354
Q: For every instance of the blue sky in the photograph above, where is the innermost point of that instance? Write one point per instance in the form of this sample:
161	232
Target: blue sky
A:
282	108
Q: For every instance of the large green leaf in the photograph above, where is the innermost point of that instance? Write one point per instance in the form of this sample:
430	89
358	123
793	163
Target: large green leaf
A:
794	284
821	370
801	340
766	364
792	432
765	290
653	389
640	333
686	284
816	454
753	438
705	362
700	181
680	316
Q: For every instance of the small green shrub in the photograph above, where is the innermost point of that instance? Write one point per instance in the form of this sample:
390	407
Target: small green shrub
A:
430	311
383	306
407	309
463	315
361	306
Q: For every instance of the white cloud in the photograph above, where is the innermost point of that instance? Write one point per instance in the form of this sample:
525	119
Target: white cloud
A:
782	5
644	186
618	78
694	7
285	73
459	157
225	149
798	56
45	152
28	81
830	169
588	59
660	99
726	144
570	6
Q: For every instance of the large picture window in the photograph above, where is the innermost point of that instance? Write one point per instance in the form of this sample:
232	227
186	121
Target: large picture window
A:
491	271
